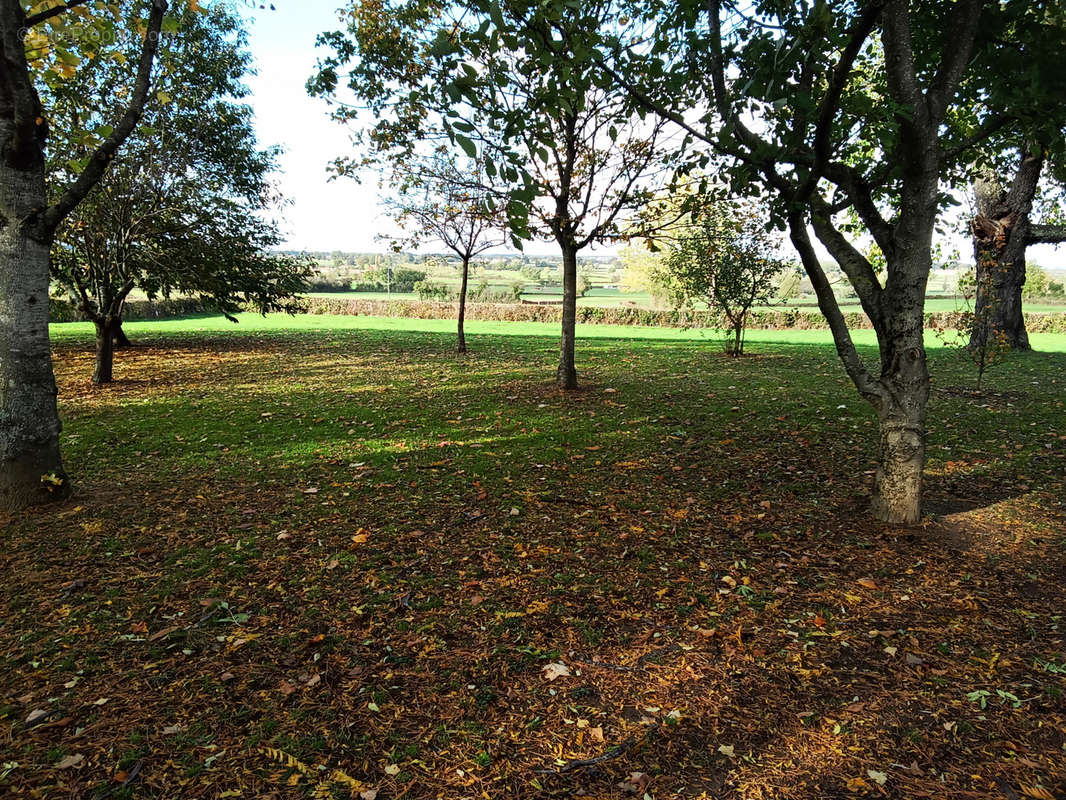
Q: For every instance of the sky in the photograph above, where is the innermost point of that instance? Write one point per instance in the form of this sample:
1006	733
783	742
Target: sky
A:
342	214
323	215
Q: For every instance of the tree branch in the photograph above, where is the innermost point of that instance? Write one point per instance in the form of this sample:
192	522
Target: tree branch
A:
101	159
961	30
40	17
868	387
855	265
860	194
1047	234
831	99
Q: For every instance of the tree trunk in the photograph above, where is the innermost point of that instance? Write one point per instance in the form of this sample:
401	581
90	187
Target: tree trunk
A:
566	377
462	303
738	343
1000	234
119	335
103	370
31	471
897	494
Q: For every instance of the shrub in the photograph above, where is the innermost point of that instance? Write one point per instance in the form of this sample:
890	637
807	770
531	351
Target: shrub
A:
427	290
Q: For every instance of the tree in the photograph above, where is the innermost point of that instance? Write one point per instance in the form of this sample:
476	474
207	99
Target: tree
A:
575	154
829	108
727	261
31	469
449	200
1011	170
186	208
1002	231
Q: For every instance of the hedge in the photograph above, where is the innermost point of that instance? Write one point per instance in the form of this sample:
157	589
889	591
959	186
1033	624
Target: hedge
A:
783	319
65	311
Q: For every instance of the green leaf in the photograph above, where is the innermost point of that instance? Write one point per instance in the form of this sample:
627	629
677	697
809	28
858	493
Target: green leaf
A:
468	146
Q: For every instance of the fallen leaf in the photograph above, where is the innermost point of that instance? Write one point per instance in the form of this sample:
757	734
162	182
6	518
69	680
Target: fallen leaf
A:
869	583
369	794
161	633
286	688
879	778
555	670
36	714
727	750
637	783
392	769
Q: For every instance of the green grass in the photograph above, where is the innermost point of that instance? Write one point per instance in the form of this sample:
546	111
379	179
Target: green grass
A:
404	538
309	323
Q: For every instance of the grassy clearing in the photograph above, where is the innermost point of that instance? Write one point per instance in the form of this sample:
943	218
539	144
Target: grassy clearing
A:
334	539
70	332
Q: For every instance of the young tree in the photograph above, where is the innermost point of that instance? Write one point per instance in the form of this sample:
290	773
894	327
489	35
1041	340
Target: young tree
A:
31	470
727	261
186	208
577	156
449	200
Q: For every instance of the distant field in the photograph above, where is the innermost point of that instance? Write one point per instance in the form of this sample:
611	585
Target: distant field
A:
613	298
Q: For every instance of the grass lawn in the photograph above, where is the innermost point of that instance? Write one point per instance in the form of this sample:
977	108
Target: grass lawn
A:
328	554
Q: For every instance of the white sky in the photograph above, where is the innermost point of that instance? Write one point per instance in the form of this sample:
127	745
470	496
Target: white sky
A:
324	215
342	214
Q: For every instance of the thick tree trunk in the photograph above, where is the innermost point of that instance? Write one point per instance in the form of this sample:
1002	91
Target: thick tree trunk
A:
119	335
566	377
1001	232
31	471
901	406
897	494
103	369
462	304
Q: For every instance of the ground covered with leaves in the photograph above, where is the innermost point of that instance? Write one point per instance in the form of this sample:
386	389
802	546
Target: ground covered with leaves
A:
355	564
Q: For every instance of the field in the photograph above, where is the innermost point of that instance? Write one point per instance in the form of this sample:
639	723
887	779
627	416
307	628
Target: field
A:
610	298
326	556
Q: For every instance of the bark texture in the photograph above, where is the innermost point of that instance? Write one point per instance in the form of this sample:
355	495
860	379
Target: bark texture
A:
566	376
31	471
103	369
1001	232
